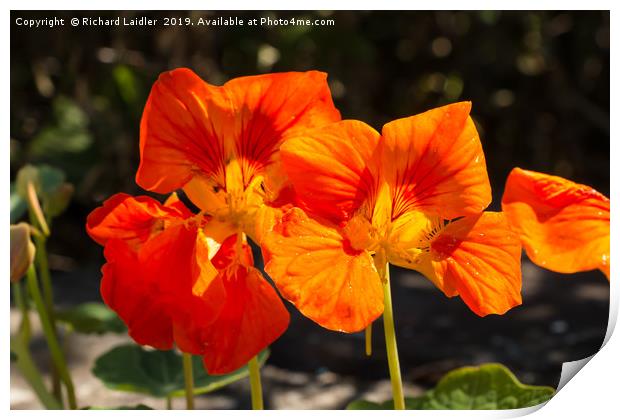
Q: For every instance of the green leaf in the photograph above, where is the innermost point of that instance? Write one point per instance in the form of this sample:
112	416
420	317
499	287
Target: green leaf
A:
68	134
18	204
487	387
122	407
159	373
126	83
49	182
92	318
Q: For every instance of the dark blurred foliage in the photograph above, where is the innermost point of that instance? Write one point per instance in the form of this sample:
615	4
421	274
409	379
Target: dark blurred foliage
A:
539	83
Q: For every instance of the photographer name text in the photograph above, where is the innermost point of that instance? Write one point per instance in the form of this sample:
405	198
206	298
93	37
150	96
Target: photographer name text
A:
143	21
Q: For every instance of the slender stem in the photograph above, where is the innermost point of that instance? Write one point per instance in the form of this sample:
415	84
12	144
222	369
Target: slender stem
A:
168	402
188	374
25	364
48	296
255	386
44	273
368	337
31	373
52	341
390	343
20	301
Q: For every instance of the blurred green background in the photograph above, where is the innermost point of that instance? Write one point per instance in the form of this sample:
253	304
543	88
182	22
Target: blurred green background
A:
539	83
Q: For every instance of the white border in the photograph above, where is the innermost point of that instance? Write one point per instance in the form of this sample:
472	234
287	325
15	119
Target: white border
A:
593	393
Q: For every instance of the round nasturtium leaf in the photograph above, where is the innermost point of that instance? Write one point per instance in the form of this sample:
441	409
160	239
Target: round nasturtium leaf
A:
132	368
486	387
91	318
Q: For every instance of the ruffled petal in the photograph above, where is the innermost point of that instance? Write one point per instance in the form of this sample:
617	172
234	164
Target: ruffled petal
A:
563	226
252	317
333	169
132	219
132	296
316	269
479	258
165	291
434	163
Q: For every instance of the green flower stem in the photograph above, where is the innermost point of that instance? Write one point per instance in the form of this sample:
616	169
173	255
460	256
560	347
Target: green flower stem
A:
368	337
52	341
29	371
46	282
20	301
188	374
390	343
168	402
255	386
25	364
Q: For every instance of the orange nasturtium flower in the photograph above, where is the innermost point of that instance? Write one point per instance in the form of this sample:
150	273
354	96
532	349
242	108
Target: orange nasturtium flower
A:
176	277
171	283
564	226
413	196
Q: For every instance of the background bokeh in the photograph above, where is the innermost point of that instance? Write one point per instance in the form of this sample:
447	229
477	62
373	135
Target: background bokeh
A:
539	83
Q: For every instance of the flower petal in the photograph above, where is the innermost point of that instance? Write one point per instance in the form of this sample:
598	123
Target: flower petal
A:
316	269
169	281
269	107
191	129
434	163
252	317
181	132
563	226
128	293
132	219
479	257
333	168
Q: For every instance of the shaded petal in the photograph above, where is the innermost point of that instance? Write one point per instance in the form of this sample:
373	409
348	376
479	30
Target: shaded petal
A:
131	295
333	169
563	226
182	132
316	269
479	257
132	219
434	163
166	290
252	317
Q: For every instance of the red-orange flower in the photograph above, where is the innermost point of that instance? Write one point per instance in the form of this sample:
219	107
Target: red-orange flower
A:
413	196
220	144
563	226
172	283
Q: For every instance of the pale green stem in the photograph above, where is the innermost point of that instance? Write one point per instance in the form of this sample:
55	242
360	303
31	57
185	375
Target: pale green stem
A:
168	402
29	371
188	374
37	218
390	343
256	388
368	338
52	341
20	301
25	364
